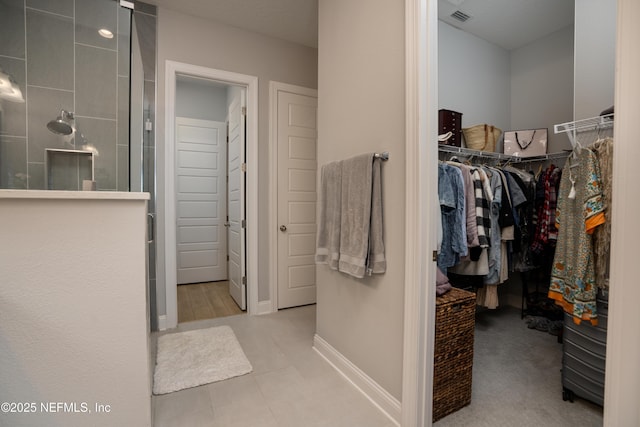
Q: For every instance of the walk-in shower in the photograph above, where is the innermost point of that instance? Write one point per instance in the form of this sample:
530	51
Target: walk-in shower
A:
73	109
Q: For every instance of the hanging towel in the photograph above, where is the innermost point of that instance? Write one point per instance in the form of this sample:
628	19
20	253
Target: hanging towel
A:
376	261
361	247
328	240
355	214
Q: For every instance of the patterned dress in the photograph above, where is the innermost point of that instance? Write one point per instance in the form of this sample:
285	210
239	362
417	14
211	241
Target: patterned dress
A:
572	277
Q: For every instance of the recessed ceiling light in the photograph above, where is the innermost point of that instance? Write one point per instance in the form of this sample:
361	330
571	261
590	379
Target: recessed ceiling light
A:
105	33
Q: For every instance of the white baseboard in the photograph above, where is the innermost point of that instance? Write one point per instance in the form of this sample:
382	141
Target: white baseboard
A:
264	307
162	322
385	402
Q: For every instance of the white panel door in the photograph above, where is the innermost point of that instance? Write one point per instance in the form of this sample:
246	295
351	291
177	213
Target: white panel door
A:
297	165
236	189
201	200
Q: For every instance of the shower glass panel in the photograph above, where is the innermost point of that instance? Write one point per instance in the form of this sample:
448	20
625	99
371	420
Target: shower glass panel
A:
142	148
66	64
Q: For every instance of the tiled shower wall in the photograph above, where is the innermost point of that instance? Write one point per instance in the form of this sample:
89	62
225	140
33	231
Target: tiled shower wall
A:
53	51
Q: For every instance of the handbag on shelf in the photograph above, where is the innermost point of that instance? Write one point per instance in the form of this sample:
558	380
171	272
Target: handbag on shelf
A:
481	137
526	143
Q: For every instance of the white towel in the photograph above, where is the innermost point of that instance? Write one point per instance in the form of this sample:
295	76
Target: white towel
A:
328	240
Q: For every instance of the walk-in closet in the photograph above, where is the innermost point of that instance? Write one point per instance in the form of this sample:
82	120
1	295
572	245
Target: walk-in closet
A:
525	97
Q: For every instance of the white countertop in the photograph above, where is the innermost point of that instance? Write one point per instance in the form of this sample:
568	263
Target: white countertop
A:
72	195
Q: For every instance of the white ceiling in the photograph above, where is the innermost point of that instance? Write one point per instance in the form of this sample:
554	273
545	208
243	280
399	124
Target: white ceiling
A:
509	23
506	23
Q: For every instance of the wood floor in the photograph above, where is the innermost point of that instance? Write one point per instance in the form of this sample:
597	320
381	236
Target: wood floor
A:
200	301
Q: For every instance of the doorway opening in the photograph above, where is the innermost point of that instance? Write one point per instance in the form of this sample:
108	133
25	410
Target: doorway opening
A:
206	182
210	146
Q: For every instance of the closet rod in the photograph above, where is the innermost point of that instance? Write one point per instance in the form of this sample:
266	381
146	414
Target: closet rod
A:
500	156
382	156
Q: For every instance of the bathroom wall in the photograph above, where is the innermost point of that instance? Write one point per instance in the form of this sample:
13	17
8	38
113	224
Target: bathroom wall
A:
207	43
203	100
362	47
55	55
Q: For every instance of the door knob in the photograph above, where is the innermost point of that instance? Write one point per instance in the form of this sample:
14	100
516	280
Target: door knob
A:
227	224
283	228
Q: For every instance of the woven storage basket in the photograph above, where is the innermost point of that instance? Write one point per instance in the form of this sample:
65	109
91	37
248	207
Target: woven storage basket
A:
481	137
453	355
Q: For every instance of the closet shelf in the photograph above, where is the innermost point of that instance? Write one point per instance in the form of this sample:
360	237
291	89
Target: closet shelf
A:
467	152
592	123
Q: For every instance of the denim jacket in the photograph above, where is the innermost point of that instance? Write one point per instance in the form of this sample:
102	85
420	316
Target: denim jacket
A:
452	208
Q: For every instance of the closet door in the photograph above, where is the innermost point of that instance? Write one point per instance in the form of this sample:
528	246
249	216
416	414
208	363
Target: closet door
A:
297	166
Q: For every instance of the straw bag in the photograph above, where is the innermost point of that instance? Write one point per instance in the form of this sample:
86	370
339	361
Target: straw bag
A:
481	137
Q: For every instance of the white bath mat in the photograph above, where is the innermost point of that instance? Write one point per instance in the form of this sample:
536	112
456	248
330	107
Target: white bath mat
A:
202	356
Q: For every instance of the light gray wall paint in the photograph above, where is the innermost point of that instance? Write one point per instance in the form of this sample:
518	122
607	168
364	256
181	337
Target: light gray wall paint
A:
473	77
526	88
201	100
205	43
361	109
542	86
595	56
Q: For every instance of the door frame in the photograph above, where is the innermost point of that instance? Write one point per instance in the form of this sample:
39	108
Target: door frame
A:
421	182
274	88
421	48
172	69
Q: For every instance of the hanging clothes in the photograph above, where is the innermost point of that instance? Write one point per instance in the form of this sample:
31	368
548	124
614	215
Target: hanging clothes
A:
602	236
470	203
580	210
546	198
477	263
452	210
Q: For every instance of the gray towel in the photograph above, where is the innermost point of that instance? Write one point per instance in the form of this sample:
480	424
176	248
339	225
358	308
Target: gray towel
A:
328	240
376	262
360	251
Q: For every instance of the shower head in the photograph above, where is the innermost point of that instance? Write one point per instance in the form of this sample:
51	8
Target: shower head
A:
61	125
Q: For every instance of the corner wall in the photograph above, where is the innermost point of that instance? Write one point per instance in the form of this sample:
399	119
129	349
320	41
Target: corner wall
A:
542	86
361	108
201	42
473	77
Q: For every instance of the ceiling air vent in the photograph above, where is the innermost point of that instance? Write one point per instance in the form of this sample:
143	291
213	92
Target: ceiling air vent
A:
460	16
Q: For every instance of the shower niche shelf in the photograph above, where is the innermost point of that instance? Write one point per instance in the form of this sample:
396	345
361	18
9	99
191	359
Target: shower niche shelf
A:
68	169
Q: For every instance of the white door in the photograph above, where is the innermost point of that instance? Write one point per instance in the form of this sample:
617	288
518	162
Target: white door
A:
297	165
236	189
201	200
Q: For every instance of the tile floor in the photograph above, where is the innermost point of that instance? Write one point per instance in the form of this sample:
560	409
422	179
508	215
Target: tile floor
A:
291	385
516	381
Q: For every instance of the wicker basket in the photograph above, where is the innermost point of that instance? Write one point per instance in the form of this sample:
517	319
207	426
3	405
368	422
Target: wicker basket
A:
481	137
453	356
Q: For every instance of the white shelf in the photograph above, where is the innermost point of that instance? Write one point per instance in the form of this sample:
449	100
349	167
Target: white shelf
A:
467	152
